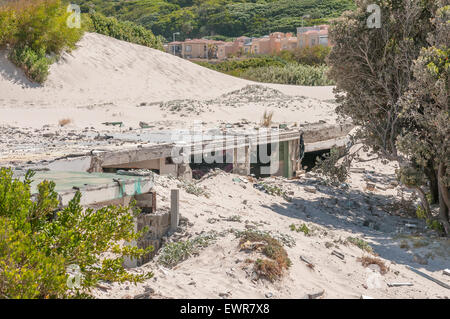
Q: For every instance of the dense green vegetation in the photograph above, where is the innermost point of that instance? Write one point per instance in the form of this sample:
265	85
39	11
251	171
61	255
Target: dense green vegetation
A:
292	73
40	243
122	30
196	18
299	67
239	66
34	30
394	84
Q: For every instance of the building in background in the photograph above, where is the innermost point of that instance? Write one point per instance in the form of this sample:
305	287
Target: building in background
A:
269	44
195	48
311	36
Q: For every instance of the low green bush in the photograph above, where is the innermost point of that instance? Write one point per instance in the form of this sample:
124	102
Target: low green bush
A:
123	30
174	253
237	67
292	73
35	64
314	55
39	243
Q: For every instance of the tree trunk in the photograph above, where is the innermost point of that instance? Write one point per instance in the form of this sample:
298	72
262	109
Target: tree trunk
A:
443	201
434	186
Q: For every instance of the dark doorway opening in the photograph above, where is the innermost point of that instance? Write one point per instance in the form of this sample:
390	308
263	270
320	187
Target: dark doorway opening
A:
256	161
309	161
201	169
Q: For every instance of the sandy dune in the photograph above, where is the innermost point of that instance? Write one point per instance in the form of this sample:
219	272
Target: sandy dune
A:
105	79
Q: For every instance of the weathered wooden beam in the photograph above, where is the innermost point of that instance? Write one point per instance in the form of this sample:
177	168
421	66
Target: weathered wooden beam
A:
174	209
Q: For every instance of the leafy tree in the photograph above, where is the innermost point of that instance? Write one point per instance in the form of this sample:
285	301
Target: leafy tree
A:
427	107
381	86
38	242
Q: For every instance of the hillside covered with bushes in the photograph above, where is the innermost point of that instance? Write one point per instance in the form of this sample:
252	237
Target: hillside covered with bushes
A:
230	18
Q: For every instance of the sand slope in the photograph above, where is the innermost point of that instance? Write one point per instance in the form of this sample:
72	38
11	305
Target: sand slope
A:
103	69
105	79
332	215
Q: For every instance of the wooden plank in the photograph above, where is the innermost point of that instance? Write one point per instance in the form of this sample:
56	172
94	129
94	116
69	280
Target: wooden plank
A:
440	283
400	284
174	209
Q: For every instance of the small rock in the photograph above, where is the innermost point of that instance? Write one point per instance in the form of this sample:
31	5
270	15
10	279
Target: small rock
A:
145	295
310	190
269	295
149	289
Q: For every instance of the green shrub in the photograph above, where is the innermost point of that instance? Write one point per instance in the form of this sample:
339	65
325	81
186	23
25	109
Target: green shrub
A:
282	69
38	242
33	29
361	244
236	67
292	73
314	55
7	26
40	24
176	252
124	30
34	64
303	228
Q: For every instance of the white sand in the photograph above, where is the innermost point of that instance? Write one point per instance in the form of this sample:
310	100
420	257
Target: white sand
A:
220	271
105	79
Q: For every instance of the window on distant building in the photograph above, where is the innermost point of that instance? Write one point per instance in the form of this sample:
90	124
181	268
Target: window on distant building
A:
188	48
313	41
323	40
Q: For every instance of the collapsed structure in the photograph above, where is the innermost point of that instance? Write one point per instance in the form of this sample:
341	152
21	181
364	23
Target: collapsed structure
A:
103	177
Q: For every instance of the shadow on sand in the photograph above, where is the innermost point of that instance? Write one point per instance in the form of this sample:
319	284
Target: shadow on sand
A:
13	74
351	210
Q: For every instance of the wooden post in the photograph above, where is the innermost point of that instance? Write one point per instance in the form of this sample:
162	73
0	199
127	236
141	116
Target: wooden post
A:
174	209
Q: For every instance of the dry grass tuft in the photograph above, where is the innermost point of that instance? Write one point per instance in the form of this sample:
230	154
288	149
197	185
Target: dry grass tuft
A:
267	119
268	269
64	122
270	247
367	261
